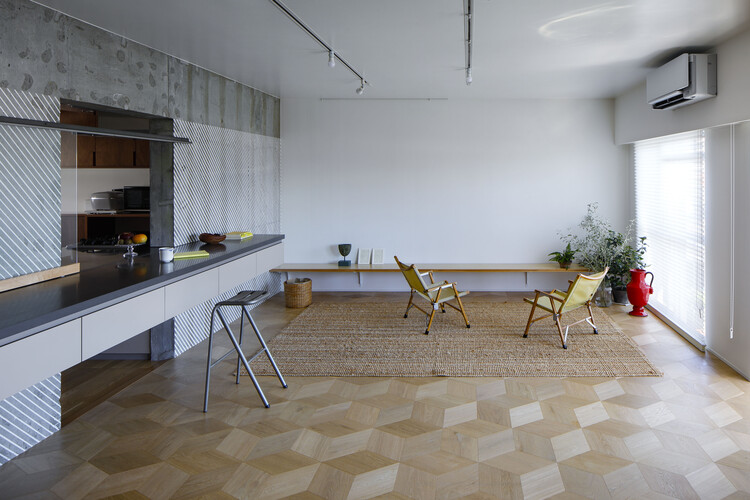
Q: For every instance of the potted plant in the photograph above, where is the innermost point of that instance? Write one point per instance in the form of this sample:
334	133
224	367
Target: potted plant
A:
564	258
626	257
599	246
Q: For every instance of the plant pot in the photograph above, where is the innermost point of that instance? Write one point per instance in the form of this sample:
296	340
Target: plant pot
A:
603	296
620	296
565	265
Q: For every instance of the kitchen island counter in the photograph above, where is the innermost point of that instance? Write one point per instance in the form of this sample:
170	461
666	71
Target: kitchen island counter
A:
32	309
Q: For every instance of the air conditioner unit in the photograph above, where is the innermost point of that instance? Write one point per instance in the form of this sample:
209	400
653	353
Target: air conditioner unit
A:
687	79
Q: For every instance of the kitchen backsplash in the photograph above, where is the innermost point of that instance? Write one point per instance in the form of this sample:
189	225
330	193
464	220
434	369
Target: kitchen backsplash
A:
92	180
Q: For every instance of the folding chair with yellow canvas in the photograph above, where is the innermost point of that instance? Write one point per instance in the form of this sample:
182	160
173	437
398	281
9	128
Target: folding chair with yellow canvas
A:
437	294
557	303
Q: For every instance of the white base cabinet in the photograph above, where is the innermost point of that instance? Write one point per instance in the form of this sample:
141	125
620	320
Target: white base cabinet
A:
110	326
38	357
27	361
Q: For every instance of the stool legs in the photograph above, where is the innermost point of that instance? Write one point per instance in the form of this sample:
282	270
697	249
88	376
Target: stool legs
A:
208	362
241	359
264	347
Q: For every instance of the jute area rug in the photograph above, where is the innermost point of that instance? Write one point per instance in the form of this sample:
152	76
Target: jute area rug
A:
374	339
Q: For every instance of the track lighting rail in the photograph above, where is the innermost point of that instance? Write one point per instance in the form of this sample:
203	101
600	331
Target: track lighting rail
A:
469	26
291	15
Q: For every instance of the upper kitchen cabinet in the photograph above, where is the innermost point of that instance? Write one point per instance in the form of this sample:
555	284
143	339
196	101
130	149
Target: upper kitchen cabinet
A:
77	149
114	152
142	154
88	151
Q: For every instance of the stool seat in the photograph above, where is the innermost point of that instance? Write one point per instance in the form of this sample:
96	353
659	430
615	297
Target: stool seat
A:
242	299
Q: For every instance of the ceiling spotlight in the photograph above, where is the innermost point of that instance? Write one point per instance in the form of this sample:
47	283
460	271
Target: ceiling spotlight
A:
331	59
361	88
468	76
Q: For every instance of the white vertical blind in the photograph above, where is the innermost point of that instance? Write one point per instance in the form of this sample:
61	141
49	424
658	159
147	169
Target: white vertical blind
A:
670	213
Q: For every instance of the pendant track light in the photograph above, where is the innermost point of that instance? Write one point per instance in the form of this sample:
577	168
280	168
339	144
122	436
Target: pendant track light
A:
332	56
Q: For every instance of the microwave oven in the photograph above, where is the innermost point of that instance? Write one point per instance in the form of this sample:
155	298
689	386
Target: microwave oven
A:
136	198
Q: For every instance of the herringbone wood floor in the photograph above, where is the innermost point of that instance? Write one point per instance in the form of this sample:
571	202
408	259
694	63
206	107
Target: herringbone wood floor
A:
684	435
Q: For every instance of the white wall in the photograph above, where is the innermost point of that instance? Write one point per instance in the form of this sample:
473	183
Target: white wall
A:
635	120
718	236
735	351
445	181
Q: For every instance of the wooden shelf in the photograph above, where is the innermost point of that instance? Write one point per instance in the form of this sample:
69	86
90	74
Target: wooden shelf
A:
550	267
39	277
454	268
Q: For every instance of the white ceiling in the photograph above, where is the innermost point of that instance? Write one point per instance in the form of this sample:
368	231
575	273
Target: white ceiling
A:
415	48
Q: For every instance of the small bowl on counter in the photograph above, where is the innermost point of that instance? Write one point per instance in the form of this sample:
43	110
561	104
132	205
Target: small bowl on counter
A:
212	238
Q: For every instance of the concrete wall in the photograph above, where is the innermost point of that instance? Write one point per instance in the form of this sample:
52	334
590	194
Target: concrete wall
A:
29	242
46	52
446	181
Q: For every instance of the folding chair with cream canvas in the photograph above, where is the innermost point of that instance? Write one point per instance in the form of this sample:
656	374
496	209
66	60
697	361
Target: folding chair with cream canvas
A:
580	293
437	294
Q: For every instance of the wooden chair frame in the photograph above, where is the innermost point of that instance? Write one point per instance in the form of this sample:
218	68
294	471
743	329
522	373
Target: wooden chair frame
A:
558	300
438	302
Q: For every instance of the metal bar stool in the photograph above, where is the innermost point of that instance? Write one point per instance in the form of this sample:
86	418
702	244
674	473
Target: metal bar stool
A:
242	299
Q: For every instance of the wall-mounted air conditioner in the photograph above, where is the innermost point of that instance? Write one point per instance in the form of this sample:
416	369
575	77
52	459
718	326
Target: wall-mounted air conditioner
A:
687	79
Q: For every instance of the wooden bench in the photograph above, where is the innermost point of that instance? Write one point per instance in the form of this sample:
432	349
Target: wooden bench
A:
547	267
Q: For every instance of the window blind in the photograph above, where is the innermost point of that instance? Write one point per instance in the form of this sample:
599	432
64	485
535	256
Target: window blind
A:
670	213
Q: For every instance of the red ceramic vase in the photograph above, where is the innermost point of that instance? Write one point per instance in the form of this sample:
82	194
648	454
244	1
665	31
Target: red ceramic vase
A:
638	291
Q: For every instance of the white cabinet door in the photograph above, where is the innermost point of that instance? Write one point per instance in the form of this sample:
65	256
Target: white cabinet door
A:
27	361
237	272
270	257
112	325
187	293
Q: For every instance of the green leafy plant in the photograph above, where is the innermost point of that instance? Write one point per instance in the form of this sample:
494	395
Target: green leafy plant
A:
599	246
626	257
564	258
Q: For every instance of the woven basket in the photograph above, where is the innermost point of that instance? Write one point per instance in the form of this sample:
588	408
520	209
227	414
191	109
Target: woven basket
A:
298	293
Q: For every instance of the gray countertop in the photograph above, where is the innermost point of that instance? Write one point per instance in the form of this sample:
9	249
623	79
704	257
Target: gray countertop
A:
106	279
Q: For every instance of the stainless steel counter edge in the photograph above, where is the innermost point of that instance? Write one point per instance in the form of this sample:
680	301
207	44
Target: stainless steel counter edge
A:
37	315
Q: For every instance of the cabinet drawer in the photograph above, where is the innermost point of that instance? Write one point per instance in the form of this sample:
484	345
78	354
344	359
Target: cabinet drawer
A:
270	257
27	361
237	272
187	293
108	327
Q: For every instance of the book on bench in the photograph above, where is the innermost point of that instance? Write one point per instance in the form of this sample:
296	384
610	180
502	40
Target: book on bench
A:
239	235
